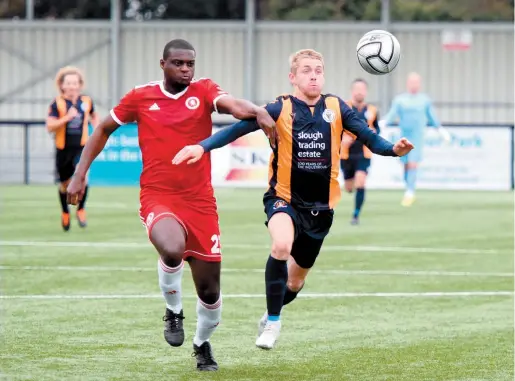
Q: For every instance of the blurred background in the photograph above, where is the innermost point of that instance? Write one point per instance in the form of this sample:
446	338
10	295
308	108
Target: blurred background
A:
464	51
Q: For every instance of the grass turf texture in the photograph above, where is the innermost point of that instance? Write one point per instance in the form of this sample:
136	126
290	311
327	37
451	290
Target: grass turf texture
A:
446	242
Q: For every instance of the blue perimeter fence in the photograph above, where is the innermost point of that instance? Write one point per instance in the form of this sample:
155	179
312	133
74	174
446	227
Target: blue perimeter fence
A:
26	146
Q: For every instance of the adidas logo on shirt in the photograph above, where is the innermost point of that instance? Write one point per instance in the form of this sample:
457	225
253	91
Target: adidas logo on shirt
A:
154	107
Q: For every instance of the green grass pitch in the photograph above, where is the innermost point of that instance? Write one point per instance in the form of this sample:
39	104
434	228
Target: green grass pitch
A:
420	293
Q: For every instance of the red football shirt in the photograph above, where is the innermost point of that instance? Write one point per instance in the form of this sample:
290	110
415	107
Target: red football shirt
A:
166	123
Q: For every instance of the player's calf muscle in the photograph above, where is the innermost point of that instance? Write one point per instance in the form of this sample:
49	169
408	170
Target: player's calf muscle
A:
349	185
296	276
295	284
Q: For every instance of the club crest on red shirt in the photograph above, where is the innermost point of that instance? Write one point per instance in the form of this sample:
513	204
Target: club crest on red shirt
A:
192	103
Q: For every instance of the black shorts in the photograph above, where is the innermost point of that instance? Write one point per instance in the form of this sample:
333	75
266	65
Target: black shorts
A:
353	164
311	228
66	161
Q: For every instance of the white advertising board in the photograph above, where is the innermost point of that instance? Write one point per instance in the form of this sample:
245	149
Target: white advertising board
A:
477	158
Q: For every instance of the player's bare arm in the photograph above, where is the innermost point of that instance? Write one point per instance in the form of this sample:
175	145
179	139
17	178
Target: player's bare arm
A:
53	123
95	119
243	109
226	136
92	149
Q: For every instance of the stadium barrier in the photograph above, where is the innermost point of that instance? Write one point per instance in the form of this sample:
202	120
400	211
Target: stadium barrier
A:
479	157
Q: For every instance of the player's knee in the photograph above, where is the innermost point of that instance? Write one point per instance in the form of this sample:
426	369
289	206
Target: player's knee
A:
63	186
348	188
172	252
281	249
209	293
295	284
361	181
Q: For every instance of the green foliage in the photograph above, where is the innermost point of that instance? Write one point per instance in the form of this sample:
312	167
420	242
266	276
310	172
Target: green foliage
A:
301	10
402	10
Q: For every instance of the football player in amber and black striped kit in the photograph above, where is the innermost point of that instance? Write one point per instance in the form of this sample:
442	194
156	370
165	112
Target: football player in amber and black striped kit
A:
303	178
68	119
356	157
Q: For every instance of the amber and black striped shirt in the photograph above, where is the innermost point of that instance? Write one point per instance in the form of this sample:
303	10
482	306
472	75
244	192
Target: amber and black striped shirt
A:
304	167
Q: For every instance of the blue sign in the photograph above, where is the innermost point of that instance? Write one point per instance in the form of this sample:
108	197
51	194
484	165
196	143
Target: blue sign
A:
120	161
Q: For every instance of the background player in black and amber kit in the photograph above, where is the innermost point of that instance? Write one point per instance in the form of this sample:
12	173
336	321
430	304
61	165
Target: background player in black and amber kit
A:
68	118
304	168
355	157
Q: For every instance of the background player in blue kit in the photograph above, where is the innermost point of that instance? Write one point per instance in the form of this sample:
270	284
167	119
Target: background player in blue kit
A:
356	157
414	111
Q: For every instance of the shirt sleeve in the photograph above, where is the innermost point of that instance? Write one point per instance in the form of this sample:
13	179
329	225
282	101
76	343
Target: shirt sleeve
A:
92	107
376	124
274	108
392	115
213	93
236	131
52	110
126	111
363	133
229	134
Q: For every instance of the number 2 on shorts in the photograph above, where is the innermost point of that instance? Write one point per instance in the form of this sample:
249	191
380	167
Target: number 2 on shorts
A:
216	244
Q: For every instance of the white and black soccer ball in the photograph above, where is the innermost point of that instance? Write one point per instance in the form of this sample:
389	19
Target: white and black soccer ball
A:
378	52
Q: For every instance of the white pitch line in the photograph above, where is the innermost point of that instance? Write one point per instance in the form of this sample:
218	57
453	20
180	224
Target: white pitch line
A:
251	296
39	204
234	270
132	245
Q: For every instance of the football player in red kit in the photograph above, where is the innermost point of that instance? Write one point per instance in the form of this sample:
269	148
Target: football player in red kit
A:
178	207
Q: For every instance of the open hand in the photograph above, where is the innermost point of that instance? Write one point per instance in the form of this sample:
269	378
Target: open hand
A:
190	153
403	147
347	140
444	134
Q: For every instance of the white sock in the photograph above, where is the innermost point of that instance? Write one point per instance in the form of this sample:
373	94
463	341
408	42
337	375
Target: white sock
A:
208	318
170	280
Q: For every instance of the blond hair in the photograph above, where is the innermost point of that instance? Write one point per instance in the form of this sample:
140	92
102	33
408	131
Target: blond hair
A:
63	72
304	53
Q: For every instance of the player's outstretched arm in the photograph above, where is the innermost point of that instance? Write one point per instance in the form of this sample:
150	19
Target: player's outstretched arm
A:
227	135
392	114
92	149
376	143
243	109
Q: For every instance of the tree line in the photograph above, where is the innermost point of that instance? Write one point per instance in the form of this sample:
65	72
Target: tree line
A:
288	10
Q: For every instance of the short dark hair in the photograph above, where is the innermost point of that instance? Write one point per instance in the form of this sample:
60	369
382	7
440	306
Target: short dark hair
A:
359	80
176	44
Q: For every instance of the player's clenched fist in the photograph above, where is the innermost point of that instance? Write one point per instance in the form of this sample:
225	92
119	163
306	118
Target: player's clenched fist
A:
190	153
75	190
403	147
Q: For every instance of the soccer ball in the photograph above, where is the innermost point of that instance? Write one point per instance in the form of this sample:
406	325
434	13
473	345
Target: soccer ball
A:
378	52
